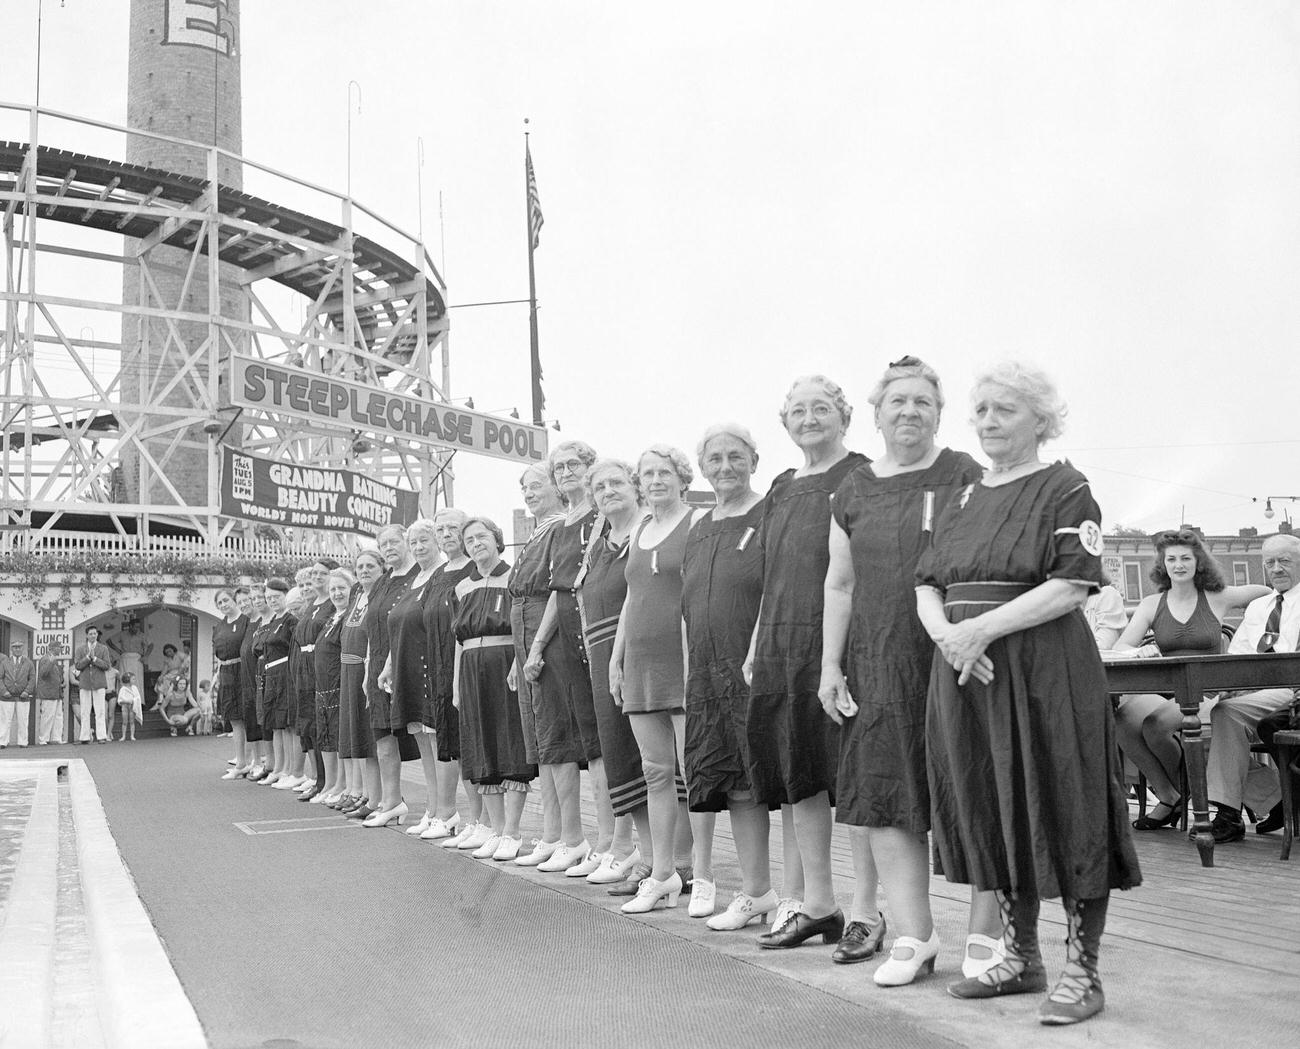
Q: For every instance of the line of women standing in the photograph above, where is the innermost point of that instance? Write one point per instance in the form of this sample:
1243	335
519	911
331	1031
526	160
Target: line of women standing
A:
895	644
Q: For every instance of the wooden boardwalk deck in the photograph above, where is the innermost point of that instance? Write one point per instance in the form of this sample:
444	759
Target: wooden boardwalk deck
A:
1194	956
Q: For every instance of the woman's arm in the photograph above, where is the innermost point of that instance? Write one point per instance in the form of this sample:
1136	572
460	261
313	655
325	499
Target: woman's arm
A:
929	609
385	679
455	678
616	660
534	663
837	608
964	643
1232	598
747	668
1138	626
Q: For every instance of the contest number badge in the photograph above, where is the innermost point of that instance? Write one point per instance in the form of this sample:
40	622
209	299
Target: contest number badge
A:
1091	538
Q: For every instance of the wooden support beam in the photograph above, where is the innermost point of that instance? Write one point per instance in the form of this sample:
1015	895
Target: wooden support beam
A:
101	195
63	188
153	195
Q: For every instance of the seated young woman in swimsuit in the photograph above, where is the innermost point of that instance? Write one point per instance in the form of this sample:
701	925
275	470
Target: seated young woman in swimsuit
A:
1186	616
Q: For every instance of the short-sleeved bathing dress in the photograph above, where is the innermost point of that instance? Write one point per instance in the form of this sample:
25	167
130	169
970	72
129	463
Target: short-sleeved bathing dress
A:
356	737
273	644
250	683
491	734
722	584
889	522
227	640
570	736
653	675
529	593
602	589
1024	776
325	674
793	745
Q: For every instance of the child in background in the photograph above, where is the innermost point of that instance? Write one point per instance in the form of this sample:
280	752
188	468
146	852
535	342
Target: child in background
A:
204	720
131	703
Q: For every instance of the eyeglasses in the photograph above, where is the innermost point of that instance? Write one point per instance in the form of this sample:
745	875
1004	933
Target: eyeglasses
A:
569	466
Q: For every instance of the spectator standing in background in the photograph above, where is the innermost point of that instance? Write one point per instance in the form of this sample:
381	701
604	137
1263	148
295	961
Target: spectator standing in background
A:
49	692
92	660
132	704
17	686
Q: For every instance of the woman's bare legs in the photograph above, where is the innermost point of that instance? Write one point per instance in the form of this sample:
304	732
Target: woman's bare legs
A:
903	861
371	787
1147	728
750	827
550	804
866	879
568	790
604	807
447	774
812	828
791	861
390	773
657	742
429	765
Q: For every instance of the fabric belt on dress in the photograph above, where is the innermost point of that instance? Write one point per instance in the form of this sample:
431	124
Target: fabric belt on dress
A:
350	659
276	662
491	641
306	648
991	593
229	662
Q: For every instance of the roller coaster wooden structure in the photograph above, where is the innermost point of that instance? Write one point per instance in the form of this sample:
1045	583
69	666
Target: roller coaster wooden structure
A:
372	314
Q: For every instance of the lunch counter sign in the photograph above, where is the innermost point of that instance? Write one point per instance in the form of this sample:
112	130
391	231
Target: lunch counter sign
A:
337	402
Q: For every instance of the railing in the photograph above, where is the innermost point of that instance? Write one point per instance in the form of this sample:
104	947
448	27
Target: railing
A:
79	544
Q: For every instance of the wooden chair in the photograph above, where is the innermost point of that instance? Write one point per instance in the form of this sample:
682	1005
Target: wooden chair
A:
1287	744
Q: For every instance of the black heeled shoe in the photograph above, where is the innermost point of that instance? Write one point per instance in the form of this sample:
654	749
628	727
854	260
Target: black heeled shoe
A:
800	927
1154	822
360	812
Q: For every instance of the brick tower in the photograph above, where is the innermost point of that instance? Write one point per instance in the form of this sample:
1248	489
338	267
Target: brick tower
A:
183	80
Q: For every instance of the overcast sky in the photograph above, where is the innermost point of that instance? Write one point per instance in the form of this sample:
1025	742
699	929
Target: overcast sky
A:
738	193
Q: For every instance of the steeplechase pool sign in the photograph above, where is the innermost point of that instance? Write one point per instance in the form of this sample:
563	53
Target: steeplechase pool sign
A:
325	399
258	489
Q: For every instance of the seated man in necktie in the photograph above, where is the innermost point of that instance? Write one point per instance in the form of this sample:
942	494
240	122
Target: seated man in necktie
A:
1271	624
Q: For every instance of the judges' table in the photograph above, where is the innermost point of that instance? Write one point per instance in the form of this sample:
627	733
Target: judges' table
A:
1188	679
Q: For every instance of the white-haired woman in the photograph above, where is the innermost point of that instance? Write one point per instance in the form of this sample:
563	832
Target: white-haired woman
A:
437	732
494	759
391	748
1024	774
875	672
326	655
602	590
722	585
647	675
530	592
793	746
565	714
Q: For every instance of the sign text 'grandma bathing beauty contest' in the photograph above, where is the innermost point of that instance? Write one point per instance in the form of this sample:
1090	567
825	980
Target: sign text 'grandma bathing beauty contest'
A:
325	399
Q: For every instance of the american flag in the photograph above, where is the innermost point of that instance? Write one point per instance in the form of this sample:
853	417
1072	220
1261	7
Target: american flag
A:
535	219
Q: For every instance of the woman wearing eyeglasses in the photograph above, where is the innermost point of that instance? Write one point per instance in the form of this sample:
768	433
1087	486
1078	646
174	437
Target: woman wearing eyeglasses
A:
1185	615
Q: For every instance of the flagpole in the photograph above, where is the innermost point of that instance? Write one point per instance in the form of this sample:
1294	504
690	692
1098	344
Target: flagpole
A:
535	360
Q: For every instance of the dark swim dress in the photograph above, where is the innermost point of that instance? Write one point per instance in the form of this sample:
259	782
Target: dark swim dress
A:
529	593
1024	774
250	683
1201	635
889	522
273	644
491	734
303	670
602	589
227	641
386	592
567	734
325	673
356	737
442	648
722	584
654	678
793	745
